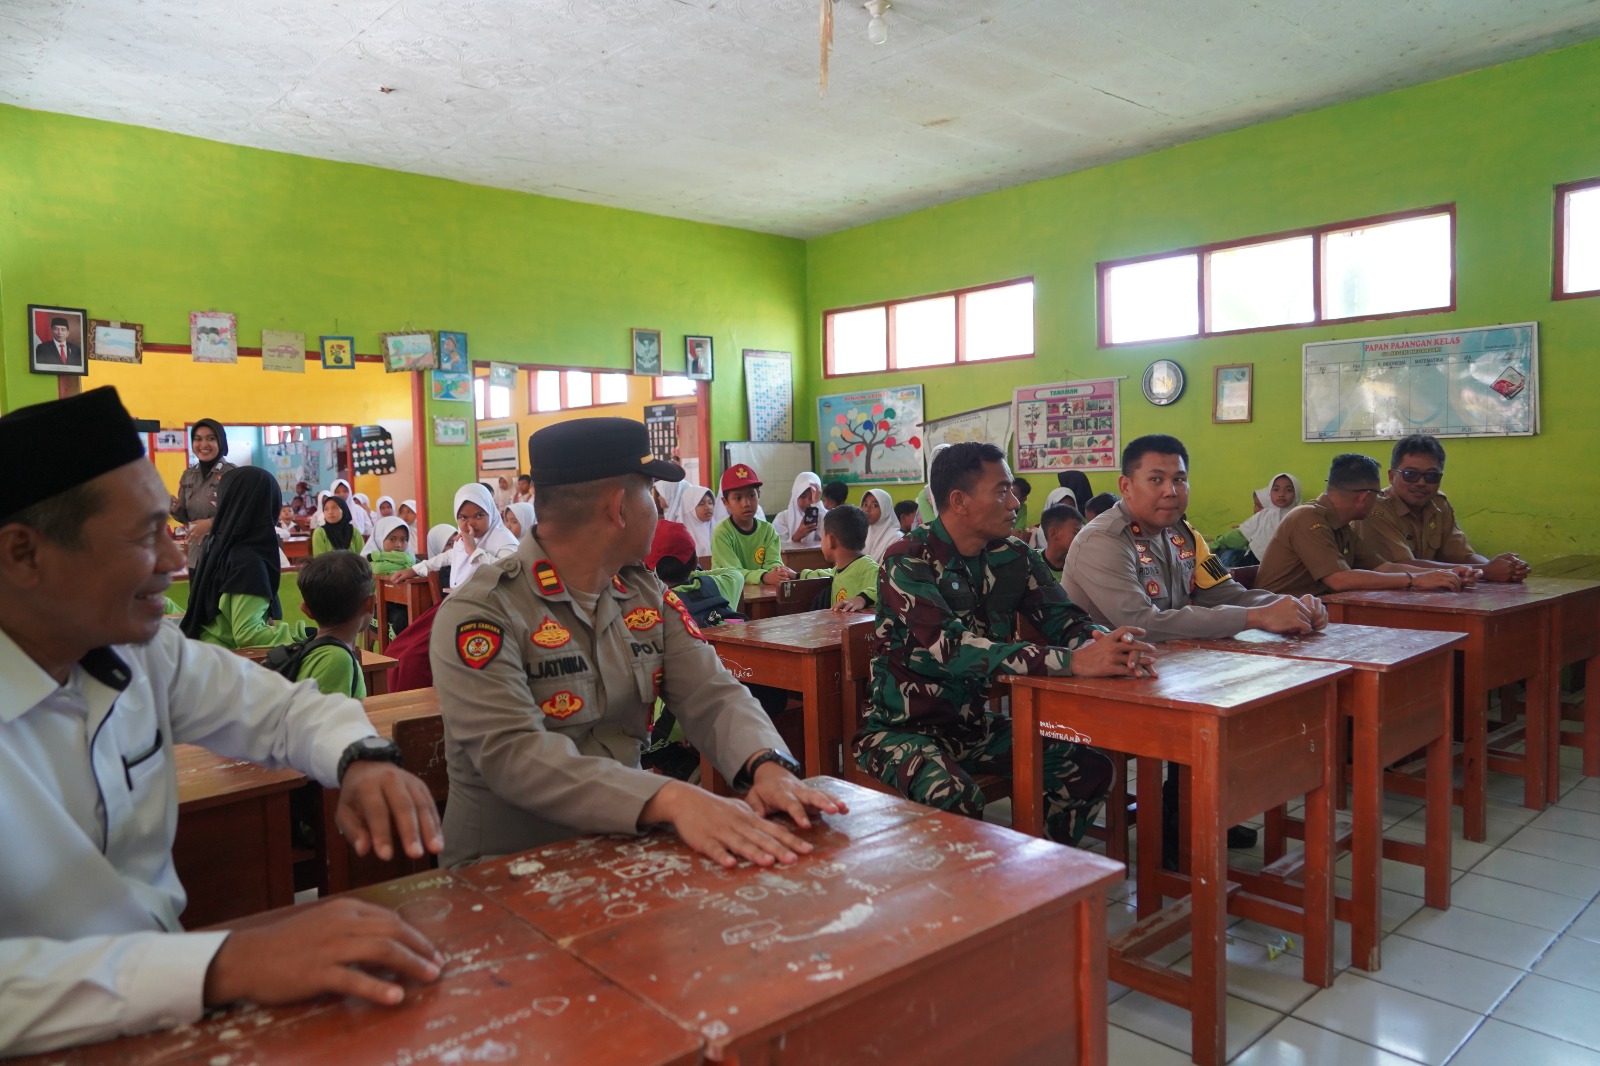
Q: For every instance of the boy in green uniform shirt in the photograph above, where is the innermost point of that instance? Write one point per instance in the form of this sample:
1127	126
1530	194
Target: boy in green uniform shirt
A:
855	576
742	540
337	589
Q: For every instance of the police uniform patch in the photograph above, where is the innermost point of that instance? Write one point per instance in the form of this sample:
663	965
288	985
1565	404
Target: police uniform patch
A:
1210	572
551	634
563	704
1185	554
642	618
1152	588
548	580
676	604
478	642
616	583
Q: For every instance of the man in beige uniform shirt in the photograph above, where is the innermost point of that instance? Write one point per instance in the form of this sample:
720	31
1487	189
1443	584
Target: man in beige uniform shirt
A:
549	662
1413	522
1317	548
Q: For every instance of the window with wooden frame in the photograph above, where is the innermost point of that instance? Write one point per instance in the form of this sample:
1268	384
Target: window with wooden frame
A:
673	386
980	324
565	390
1577	269
490	401
1369	268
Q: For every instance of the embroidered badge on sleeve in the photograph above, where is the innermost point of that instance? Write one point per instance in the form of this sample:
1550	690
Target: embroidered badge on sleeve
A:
642	618
676	604
478	643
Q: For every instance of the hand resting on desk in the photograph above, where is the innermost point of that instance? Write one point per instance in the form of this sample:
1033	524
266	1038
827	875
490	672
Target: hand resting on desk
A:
1115	654
377	797
727	830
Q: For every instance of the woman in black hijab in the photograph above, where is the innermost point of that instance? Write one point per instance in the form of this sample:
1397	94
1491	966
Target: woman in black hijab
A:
1077	483
337	533
233	592
195	504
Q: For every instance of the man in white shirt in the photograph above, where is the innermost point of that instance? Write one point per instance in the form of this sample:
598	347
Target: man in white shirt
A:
95	691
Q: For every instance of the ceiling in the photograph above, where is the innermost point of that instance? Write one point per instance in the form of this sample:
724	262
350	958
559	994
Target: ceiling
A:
709	109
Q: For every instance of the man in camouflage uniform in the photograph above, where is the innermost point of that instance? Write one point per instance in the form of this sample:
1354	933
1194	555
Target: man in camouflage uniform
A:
950	597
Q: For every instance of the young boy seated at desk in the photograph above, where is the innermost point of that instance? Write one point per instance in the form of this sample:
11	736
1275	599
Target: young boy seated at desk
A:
855	576
909	514
1060	524
337	590
742	540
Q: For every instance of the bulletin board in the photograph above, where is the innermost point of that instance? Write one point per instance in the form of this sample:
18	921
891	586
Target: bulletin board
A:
776	462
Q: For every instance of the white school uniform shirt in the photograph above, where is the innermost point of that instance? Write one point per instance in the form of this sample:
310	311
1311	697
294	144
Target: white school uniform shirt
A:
90	944
792	517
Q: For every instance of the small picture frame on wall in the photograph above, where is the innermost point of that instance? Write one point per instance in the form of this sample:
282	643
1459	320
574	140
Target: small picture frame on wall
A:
1234	393
647	352
449	430
213	336
56	337
410	350
453	351
116	342
697	358
338	353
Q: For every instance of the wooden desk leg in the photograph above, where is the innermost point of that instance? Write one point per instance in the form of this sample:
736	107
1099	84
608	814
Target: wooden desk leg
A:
1089	941
1027	763
819	701
1318	904
1148	838
1590	722
1543	737
1208	983
336	854
1436	823
1474	749
1366	807
378	682
280	848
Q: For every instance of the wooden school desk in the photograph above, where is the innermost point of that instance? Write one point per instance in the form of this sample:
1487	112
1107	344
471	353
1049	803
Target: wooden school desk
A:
1254	733
1575	636
233	850
415	596
374	666
1508	639
758	601
798	559
296	549
800	653
1397	700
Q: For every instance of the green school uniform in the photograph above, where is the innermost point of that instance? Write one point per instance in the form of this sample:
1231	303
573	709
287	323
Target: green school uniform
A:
391	562
859	578
320	545
753	553
334	671
728	579
1233	538
241	622
925	505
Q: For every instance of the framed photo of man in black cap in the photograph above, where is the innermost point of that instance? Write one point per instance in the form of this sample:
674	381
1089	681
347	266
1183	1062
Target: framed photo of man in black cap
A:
56	337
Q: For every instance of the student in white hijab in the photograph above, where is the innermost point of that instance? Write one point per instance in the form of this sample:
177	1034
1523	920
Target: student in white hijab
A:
519	518
1053	497
317	520
791	525
378	511
484	537
439	539
695	509
884	528
363	507
503	493
407	513
1281	495
666	494
358	511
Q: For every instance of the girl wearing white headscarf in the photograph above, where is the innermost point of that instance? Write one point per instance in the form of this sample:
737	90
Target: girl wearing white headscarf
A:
790	525
484	538
378	511
439	539
667	493
317	521
503	493
687	508
363	505
384	559
1260	527
409	519
1053	497
885	528
521	514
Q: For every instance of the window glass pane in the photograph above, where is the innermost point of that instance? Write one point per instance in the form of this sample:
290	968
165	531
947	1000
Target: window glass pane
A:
860	340
1154	299
499	401
478	385
546	390
613	388
1260	285
925	332
580	389
1583	240
999	322
674	385
1393	266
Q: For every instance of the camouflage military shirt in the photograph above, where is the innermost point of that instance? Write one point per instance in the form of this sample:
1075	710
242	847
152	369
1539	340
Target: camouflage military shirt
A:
947	625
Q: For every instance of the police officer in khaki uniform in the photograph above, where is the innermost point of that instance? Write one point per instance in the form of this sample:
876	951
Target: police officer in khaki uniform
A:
1141	564
548	664
1318	547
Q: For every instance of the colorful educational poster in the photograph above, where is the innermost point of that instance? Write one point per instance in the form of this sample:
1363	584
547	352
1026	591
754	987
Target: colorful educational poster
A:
213	337
1479	382
872	437
1072	425
451	386
769	394
283	352
497	447
991	425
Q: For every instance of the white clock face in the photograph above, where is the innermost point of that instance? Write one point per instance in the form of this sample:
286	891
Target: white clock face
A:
1163	382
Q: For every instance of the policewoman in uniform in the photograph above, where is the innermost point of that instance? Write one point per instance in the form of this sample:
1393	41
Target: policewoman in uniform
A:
548	664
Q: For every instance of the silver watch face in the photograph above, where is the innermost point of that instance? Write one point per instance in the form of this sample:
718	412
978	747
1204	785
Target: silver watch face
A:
374	743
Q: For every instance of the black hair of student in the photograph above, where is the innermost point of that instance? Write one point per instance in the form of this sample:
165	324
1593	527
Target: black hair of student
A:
1102	503
958	467
1151	443
1352	470
61	518
1057	515
525	477
335	586
488	486
1023	488
1416	444
836	492
672	570
848	524
905	507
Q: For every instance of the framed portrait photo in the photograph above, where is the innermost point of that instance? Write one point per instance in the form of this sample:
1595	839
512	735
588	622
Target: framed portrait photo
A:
647	352
56	339
697	358
1234	392
452	351
338	353
411	350
116	342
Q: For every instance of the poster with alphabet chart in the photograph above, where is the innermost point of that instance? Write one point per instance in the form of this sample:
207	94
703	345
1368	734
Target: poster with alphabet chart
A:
1072	425
769	394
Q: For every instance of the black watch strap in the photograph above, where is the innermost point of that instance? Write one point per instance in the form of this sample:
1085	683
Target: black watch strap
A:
369	749
747	776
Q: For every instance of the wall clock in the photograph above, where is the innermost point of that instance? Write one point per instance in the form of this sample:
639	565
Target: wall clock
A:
1163	382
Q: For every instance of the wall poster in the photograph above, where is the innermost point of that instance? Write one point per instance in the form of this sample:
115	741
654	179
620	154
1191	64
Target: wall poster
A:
769	394
989	424
871	437
1072	425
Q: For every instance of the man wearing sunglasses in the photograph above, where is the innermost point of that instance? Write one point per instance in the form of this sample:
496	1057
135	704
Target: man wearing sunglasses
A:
1412	522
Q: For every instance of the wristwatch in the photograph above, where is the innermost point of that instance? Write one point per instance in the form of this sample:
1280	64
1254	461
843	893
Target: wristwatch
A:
747	777
368	749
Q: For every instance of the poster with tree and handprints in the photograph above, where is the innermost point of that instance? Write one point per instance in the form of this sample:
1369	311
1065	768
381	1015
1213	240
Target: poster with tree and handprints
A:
871	437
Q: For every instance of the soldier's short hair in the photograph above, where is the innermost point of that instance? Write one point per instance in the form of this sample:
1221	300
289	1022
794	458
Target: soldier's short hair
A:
958	467
848	524
1352	470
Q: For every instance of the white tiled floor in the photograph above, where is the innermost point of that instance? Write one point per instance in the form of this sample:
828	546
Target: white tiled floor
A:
1510	974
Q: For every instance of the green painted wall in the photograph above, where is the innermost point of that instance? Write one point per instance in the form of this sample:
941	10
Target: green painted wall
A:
1494	142
145	226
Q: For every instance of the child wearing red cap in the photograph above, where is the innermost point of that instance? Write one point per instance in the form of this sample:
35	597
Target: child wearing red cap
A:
742	540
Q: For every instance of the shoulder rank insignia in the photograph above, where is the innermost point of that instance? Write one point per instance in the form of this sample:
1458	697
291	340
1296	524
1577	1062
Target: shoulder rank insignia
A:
676	604
1134	528
478	642
551	634
563	704
548	580
642	618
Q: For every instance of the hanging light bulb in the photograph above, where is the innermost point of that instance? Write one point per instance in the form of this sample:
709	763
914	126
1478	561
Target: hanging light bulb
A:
877	28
